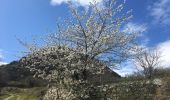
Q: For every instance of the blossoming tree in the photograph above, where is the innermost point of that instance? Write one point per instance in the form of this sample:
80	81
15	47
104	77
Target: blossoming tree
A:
92	39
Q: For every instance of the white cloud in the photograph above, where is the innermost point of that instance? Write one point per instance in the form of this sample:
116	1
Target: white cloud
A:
3	63
55	2
81	2
135	28
1	57
160	11
127	69
165	53
141	29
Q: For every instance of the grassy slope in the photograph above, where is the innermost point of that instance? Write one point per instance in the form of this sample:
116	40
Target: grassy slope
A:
22	94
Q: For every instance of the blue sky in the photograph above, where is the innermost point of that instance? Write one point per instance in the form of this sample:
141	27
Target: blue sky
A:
26	18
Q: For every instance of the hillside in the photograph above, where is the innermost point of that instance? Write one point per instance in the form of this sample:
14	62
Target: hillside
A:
14	75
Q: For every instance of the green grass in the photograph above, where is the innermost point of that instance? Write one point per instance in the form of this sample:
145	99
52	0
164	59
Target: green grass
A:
2	97
13	98
22	94
21	97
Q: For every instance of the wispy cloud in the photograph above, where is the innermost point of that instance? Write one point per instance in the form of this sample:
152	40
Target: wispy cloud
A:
127	69
165	54
141	29
1	54
160	11
135	28
80	2
3	63
1	57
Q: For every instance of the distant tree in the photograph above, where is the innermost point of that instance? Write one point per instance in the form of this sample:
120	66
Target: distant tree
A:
148	60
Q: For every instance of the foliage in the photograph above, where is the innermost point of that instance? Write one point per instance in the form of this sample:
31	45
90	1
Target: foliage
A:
11	93
133	90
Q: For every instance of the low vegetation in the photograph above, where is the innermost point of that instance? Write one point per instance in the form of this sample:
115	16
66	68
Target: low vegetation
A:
14	93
